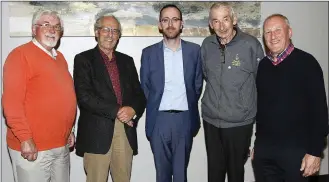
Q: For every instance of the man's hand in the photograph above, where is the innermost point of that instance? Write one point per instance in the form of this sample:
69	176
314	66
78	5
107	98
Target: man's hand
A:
130	123
71	140
310	165
125	114
29	150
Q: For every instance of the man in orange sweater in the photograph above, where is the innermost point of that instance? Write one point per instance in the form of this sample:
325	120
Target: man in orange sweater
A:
39	104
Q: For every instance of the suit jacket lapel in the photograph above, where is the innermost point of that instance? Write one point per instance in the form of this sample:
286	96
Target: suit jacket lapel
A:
160	58
185	52
122	72
100	65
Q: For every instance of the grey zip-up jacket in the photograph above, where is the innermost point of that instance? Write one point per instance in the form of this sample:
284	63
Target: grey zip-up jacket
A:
229	99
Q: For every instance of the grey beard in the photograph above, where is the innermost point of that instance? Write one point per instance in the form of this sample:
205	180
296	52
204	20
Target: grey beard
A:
50	43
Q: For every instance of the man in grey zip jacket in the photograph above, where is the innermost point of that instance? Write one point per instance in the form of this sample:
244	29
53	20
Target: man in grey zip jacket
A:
230	59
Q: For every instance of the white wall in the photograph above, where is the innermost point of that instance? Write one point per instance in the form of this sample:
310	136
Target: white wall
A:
309	21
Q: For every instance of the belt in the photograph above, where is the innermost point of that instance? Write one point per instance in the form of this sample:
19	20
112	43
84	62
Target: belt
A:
172	111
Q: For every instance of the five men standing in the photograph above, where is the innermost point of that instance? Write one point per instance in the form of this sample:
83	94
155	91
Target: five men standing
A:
286	91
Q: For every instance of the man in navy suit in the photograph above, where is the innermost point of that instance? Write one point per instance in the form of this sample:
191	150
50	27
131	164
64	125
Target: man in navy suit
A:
171	77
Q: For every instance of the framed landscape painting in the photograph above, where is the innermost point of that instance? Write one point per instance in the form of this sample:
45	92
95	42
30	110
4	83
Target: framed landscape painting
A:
136	18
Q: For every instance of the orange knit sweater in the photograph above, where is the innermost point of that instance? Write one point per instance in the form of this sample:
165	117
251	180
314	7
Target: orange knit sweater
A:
38	99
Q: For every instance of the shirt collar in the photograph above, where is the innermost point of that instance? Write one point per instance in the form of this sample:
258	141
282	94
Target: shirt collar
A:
166	47
53	52
283	54
105	57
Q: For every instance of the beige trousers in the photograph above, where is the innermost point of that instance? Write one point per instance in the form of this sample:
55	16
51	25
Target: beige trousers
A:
51	166
118	159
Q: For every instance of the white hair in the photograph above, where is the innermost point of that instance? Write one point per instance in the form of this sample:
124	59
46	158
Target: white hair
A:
104	13
225	5
37	15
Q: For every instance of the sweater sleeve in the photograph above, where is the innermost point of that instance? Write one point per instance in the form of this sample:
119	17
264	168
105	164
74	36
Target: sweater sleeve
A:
318	109
15	80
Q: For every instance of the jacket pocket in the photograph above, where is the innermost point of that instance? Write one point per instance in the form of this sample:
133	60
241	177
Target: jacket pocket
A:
238	96
247	94
210	102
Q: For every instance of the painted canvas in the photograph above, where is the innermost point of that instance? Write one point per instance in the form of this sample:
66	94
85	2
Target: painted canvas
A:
137	18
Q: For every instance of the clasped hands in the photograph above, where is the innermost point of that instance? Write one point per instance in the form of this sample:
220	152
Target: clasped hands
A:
125	115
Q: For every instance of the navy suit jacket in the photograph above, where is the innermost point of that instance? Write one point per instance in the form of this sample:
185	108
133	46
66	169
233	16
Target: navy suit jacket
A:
152	78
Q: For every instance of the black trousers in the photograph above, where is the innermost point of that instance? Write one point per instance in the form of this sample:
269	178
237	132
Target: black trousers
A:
227	151
278	164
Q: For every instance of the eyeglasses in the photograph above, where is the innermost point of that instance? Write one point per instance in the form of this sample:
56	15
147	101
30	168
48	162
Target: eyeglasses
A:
47	26
110	30
168	20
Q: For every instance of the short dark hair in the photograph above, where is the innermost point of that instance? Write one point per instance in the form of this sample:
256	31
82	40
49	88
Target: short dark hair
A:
170	6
